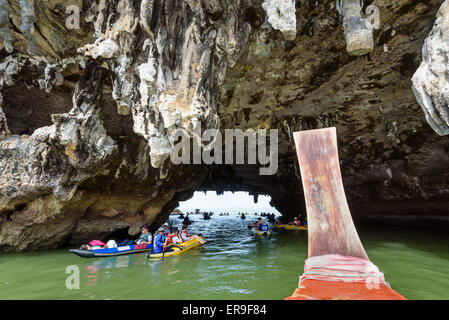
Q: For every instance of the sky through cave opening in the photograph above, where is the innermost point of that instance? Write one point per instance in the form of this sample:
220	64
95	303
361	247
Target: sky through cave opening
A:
230	202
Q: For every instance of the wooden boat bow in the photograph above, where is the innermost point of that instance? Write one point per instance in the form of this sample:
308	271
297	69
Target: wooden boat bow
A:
334	244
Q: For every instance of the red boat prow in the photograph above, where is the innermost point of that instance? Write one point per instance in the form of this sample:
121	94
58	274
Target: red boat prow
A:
323	290
338	266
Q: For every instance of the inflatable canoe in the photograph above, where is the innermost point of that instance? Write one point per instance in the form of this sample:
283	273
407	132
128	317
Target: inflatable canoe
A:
109	252
289	227
262	233
176	249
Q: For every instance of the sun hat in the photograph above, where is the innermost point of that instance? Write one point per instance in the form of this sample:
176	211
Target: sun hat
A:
161	229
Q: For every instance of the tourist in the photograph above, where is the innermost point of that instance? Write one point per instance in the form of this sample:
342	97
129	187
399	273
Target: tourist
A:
173	238
297	222
94	244
262	226
186	237
144	238
158	245
186	220
166	230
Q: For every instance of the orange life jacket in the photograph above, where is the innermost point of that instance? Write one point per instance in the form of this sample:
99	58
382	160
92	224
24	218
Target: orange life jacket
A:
169	238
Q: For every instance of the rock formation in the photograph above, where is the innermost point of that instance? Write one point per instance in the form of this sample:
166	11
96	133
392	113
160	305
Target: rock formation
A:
87	115
358	32
430	82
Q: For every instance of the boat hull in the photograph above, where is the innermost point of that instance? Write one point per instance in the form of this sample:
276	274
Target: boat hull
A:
111	252
262	233
289	227
324	290
177	250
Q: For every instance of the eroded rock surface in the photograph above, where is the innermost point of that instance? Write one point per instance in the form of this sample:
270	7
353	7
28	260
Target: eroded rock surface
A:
430	82
86	115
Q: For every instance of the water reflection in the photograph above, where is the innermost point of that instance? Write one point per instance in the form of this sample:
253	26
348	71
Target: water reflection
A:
233	264
113	262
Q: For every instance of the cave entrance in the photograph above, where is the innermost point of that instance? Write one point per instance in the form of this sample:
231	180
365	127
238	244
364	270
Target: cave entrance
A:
228	202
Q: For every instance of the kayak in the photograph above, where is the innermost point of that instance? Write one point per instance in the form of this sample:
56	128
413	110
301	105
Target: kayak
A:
177	249
110	252
262	233
289	227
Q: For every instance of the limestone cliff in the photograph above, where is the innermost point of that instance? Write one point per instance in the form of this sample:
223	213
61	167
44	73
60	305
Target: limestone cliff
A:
88	107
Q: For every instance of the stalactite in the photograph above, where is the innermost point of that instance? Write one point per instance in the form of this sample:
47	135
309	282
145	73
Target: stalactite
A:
358	32
28	18
5	32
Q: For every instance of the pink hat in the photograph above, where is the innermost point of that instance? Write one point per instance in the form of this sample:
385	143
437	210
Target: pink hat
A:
97	243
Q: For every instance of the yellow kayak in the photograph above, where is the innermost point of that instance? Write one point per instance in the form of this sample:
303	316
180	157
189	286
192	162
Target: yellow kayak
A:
177	249
289	227
263	233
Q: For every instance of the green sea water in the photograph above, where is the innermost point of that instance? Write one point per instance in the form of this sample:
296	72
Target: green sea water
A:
233	264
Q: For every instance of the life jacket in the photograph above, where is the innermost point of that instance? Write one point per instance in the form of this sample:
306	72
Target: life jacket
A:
185	233
298	223
169	239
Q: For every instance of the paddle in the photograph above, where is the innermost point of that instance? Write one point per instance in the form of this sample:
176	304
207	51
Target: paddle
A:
164	249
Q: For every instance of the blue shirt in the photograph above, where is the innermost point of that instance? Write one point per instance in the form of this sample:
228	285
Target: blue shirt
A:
158	245
263	227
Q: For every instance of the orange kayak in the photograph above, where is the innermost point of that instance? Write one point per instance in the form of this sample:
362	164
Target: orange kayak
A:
338	266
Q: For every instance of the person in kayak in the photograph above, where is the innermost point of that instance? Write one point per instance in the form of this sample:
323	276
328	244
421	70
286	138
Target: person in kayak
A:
186	237
144	238
296	222
94	244
158	246
173	238
166	230
271	218
262	225
187	220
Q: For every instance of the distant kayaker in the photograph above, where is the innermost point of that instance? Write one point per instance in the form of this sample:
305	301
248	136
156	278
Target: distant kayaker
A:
187	220
296	222
262	225
271	218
